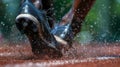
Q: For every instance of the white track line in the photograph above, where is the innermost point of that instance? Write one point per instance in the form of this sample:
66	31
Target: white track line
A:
59	62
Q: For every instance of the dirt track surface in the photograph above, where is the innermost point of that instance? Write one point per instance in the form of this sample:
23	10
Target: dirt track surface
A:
92	55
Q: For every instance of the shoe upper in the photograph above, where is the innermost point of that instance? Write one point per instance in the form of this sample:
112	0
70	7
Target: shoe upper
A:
64	32
27	7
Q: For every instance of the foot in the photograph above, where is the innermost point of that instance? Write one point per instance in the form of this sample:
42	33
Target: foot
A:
63	31
33	23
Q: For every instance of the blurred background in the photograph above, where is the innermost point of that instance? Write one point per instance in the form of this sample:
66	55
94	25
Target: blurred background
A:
101	24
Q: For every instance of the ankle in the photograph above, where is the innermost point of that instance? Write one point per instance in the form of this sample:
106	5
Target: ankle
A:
38	4
67	18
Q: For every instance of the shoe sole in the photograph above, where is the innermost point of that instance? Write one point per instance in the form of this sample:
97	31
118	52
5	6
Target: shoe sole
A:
60	40
29	25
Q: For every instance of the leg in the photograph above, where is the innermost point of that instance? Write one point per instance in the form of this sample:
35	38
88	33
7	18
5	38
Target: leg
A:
81	10
77	14
71	22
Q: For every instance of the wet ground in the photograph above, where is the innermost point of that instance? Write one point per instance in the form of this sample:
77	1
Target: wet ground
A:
90	55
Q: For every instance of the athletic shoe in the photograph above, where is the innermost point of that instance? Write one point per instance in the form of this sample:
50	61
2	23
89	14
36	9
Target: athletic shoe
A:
63	34
33	23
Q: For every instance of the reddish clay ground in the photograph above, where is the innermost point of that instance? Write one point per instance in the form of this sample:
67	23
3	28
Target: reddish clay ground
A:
92	55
